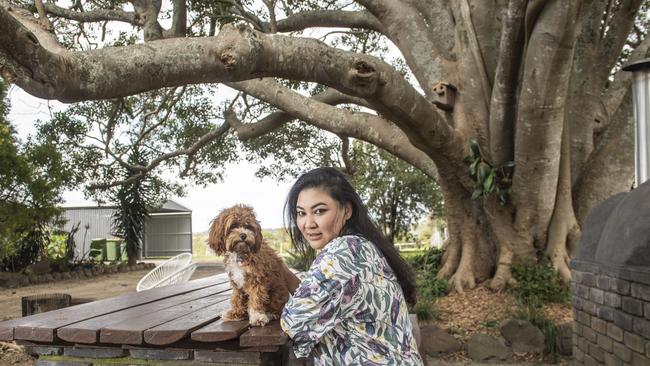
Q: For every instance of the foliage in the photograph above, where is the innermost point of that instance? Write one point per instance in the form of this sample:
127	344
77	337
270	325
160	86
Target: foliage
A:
60	249
429	287
131	211
536	317
489	179
56	248
200	246
300	261
32	177
98	135
397	194
538	283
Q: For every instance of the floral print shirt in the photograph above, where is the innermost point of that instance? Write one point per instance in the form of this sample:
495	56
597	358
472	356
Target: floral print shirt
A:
350	309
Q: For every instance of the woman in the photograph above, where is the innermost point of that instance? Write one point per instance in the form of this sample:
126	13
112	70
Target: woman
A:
350	309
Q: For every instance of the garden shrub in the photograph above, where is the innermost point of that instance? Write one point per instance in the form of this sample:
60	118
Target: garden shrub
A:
538	283
535	315
429	287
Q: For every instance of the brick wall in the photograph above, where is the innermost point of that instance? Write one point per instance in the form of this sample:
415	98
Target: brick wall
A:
611	314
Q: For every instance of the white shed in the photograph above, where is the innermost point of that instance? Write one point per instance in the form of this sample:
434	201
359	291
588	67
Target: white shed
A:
168	230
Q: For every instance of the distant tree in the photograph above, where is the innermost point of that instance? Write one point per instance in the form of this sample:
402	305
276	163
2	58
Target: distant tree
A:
112	144
32	177
167	125
132	209
397	194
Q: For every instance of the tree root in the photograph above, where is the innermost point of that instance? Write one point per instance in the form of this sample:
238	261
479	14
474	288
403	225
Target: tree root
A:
503	275
463	279
560	261
450	259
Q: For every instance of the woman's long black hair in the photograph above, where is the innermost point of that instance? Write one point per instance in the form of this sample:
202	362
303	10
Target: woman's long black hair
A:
337	186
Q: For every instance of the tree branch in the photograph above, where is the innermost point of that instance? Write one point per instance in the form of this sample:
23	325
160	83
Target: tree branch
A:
622	80
273	24
502	102
147	11
237	53
475	49
362	126
179	20
544	88
428	53
330	19
99	15
42	15
275	120
610	167
142	170
618	30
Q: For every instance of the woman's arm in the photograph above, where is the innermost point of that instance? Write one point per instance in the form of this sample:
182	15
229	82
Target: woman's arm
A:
315	307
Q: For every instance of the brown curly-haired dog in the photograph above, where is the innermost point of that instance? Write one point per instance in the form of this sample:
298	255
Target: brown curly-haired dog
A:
261	282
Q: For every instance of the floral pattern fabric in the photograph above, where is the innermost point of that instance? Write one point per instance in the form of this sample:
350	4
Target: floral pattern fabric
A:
350	309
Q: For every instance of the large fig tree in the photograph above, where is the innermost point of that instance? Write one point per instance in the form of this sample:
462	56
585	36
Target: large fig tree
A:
516	107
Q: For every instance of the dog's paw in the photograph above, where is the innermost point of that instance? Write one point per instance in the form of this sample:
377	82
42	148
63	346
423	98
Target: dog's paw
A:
258	319
230	316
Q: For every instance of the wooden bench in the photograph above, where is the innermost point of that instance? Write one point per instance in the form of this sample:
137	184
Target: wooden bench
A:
176	325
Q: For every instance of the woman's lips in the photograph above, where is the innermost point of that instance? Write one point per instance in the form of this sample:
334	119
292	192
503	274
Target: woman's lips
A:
314	236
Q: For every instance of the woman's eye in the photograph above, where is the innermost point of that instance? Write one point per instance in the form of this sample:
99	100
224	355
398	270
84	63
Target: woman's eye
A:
300	214
320	211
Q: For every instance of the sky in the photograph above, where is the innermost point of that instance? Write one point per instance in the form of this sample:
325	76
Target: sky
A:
239	186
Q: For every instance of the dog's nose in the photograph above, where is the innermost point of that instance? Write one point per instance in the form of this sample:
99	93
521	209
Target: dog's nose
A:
242	236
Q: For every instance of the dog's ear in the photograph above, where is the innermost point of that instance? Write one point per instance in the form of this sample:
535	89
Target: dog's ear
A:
258	236
217	234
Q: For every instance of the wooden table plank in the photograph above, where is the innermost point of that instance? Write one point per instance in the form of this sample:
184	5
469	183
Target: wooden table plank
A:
131	331
87	331
41	327
220	331
269	335
178	329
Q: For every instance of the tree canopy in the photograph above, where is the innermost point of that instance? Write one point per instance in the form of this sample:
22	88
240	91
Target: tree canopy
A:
32	176
537	85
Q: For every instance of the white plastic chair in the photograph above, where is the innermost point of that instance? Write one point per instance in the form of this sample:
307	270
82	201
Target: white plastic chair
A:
176	269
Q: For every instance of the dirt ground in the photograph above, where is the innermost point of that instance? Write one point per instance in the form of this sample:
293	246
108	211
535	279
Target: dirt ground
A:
89	289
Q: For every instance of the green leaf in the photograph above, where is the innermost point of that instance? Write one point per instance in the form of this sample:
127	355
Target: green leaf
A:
476	150
488	184
472	168
477	193
483	171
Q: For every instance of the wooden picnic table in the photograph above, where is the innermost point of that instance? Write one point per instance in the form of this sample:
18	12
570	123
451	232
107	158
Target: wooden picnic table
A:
178	324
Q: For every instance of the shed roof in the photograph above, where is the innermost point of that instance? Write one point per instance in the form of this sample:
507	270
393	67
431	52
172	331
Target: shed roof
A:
167	207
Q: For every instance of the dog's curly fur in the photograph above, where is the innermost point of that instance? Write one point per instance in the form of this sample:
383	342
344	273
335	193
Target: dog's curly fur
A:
261	282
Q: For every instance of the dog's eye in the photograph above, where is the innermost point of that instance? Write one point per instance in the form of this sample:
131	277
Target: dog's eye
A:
233	226
248	227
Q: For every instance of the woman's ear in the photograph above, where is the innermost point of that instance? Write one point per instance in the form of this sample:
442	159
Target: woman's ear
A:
348	212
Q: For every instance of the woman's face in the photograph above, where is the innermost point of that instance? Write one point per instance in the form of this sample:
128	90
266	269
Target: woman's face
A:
320	217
